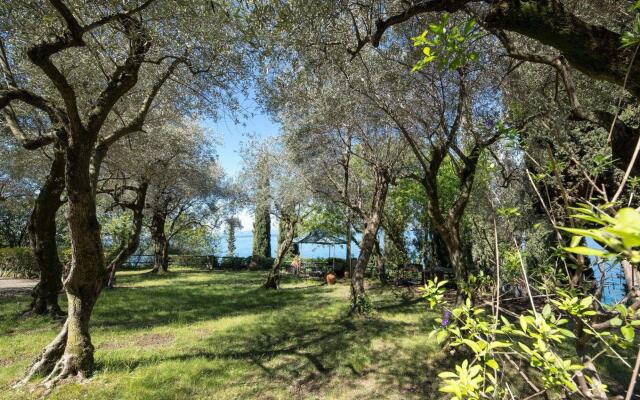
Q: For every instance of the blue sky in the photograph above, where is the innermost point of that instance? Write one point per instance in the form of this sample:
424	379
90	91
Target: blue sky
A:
232	136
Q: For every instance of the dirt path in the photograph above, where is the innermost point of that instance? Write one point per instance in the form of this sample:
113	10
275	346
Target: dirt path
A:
9	286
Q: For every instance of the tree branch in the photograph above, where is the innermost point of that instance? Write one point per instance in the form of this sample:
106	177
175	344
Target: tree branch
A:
123	78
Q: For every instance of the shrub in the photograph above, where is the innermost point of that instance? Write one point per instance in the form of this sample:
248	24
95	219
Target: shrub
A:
234	262
260	263
18	262
65	256
190	261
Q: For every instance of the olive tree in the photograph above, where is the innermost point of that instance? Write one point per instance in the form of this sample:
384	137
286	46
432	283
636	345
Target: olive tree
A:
287	196
131	167
185	190
597	39
322	122
119	51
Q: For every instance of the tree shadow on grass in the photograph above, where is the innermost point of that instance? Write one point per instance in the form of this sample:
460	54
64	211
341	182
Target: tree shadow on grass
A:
301	341
177	297
185	301
312	345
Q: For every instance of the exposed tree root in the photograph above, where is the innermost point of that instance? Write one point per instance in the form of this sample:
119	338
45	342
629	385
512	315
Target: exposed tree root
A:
49	358
271	283
55	312
69	366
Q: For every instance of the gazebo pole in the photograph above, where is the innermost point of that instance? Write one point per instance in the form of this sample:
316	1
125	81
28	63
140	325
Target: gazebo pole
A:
333	260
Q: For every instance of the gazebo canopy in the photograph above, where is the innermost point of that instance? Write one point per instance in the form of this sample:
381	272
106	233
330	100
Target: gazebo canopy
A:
318	236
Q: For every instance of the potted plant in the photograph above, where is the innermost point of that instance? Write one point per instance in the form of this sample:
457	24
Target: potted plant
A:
330	278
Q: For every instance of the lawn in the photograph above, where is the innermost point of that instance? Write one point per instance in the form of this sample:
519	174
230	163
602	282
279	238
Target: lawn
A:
200	335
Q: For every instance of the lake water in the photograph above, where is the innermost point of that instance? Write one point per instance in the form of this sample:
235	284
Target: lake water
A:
613	292
244	241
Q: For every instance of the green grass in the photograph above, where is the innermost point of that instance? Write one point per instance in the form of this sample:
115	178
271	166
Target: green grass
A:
198	335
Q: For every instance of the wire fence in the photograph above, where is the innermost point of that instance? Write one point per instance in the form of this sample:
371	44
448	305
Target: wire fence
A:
141	261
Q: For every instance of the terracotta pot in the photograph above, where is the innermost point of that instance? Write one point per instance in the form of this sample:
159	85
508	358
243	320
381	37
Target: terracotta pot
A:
330	278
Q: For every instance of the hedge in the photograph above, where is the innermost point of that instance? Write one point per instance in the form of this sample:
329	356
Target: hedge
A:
191	261
260	263
18	262
235	262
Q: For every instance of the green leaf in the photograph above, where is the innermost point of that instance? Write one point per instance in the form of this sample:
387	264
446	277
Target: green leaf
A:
437	29
586	302
629	217
442	336
575	241
469	26
475	347
615	321
567	333
523	323
493	364
447	374
579	232
586	251
628	332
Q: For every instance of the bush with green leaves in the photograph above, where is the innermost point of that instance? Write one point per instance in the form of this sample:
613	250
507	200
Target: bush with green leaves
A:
619	235
259	262
493	342
234	262
189	260
18	262
492	339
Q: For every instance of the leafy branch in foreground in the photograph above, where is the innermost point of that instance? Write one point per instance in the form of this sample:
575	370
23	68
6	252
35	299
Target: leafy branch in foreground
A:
447	43
491	342
619	235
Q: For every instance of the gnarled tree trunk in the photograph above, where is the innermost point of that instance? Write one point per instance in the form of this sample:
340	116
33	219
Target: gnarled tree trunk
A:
358	297
42	235
273	279
134	240
160	243
450	234
71	352
87	265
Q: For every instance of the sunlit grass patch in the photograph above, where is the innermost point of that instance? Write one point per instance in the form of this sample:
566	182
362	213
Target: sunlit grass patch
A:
195	335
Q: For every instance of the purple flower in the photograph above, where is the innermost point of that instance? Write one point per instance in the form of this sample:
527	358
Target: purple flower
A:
489	123
445	319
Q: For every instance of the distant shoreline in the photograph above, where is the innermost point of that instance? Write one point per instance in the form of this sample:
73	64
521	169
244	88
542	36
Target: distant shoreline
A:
244	243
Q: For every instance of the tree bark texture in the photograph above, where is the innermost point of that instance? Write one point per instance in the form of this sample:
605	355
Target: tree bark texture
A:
632	280
273	279
71	352
160	243
369	236
450	234
42	235
132	244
